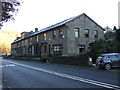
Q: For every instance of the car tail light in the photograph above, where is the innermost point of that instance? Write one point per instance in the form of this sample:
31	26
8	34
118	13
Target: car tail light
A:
100	61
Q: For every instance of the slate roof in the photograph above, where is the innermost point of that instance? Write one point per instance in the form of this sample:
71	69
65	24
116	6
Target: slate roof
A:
50	27
58	24
17	40
62	23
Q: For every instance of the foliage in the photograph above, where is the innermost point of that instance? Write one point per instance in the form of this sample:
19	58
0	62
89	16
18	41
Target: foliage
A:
111	44
106	46
50	55
100	46
8	10
96	49
6	38
107	28
118	39
114	28
110	35
118	35
81	60
46	58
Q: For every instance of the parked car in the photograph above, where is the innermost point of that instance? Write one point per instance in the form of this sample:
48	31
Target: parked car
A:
107	61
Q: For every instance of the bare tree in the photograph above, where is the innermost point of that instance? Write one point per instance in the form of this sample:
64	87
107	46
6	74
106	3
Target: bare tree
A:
8	8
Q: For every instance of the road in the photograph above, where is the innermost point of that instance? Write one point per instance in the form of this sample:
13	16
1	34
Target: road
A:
25	74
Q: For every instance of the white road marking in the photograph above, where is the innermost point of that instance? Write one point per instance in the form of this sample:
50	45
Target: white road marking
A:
1	66
10	65
70	76
0	87
5	80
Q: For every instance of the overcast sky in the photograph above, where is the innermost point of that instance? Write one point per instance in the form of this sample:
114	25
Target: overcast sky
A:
43	13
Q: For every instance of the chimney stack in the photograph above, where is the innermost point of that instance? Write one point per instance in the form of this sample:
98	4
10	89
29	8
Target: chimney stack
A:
36	29
18	38
31	32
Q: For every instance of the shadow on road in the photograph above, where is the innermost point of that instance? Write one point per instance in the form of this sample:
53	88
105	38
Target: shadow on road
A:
117	69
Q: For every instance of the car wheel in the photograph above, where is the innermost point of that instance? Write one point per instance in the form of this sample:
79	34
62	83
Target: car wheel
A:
108	66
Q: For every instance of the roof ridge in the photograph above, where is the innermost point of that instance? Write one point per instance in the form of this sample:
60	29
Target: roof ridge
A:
58	24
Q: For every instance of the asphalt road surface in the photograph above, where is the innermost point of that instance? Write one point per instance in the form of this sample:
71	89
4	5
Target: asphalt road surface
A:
25	74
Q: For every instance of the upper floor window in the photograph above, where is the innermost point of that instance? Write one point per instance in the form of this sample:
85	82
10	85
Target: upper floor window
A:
30	40
37	38
60	33
86	32
95	33
76	32
44	36
54	33
26	41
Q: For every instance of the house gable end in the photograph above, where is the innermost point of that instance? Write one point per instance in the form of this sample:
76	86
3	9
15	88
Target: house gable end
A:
87	17
94	22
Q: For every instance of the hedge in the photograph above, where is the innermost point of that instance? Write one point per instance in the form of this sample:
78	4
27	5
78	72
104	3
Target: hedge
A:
71	60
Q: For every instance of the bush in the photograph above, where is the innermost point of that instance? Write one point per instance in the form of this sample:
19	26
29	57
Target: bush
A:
50	55
71	60
46	58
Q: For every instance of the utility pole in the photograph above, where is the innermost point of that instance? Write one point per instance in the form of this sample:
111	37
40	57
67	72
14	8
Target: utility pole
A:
119	14
0	15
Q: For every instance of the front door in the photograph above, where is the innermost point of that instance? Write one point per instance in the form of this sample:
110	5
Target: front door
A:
49	49
40	51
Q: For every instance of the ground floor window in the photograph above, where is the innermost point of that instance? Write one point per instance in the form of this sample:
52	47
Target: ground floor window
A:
57	49
82	48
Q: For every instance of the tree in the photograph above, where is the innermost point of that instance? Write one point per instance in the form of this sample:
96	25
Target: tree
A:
114	28
107	28
111	44
6	38
8	9
118	35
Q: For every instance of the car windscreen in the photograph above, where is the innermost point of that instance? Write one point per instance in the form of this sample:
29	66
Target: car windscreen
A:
118	56
100	57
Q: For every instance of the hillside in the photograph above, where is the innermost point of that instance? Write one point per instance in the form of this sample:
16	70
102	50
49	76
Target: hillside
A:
6	38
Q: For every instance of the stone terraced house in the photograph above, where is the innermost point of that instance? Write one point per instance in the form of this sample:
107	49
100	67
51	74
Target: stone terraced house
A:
70	37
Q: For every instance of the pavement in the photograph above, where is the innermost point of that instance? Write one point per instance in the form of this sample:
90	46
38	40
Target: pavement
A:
25	74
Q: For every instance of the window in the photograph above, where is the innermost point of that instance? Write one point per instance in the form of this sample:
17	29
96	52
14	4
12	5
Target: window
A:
31	40
26	42
118	56
113	57
60	33
82	48
86	32
76	32
54	33
57	49
37	38
96	34
44	36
